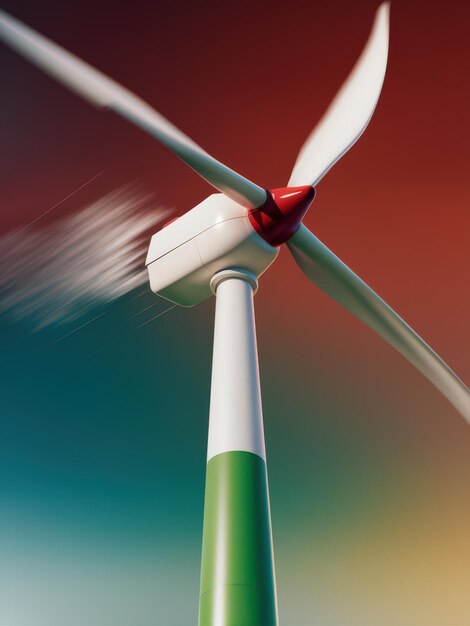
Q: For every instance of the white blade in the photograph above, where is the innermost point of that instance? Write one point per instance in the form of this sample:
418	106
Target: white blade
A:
334	278
105	92
348	115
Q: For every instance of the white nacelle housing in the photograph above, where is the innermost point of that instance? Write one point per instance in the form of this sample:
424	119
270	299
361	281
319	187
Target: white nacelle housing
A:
214	236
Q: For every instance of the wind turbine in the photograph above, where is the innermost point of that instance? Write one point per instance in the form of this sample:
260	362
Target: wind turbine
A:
221	247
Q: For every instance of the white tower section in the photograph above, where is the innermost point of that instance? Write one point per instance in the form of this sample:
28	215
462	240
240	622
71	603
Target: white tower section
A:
236	417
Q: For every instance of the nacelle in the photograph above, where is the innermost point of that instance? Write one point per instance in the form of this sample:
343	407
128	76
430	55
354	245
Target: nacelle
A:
214	236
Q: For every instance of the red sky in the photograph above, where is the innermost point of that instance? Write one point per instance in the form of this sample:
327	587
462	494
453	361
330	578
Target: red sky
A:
248	81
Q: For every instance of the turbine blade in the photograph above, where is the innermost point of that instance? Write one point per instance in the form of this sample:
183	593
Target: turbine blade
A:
333	277
351	110
104	92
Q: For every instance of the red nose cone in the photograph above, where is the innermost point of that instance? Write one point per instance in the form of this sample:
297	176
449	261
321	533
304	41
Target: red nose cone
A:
280	216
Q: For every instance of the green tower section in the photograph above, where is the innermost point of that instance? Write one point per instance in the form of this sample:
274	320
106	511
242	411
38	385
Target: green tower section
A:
237	578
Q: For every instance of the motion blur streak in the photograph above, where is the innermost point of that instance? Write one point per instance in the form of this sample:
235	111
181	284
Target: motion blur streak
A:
58	273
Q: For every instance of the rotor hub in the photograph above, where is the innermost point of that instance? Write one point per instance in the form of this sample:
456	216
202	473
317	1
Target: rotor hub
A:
280	216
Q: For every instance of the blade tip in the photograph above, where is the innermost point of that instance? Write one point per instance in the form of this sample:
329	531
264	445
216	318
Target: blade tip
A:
383	10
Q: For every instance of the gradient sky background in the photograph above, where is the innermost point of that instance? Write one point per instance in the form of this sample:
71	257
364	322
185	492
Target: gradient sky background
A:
102	453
